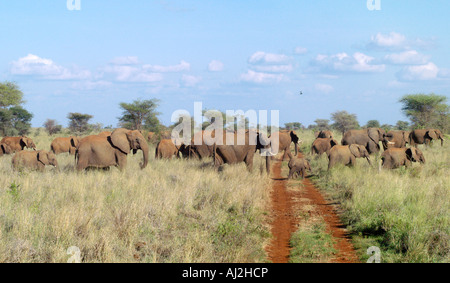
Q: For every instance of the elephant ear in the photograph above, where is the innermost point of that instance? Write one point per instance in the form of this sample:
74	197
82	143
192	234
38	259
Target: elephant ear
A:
119	138
411	154
24	140
294	137
374	134
333	142
42	156
74	141
432	134
354	149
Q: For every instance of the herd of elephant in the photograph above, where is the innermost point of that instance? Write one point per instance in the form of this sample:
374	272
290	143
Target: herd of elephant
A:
111	148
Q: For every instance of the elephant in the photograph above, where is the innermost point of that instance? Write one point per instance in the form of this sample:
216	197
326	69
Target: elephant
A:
36	160
324	134
167	149
151	137
425	136
297	166
284	142
5	149
369	138
321	145
236	153
200	146
64	144
397	139
105	134
102	152
347	154
396	157
18	143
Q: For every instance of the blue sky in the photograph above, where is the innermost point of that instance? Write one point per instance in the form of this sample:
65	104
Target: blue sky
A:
234	54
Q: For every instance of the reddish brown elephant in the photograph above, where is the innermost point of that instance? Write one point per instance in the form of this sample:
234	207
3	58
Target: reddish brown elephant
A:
64	144
105	151
396	157
284	142
322	145
36	160
18	143
166	149
346	155
397	139
425	136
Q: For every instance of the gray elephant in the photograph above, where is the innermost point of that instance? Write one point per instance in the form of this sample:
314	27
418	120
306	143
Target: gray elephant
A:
297	166
237	153
369	138
347	154
397	139
36	160
105	151
323	145
425	136
396	157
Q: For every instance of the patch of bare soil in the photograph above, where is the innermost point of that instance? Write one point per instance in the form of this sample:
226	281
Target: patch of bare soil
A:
286	208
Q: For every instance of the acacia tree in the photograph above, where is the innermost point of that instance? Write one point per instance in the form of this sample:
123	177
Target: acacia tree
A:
52	126
427	110
79	123
344	121
14	119
140	114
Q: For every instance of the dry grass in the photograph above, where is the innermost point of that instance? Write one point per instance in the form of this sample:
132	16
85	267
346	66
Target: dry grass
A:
172	211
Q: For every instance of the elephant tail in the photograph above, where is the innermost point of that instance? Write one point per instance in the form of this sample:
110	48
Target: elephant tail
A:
215	155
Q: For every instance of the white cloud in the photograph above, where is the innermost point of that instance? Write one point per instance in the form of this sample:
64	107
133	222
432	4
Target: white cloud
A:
215	66
421	72
300	50
342	62
410	57
190	81
269	62
126	60
324	88
126	73
34	65
258	77
396	41
183	66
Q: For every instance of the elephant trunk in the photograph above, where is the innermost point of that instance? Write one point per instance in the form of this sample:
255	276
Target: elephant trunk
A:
442	142
144	148
296	149
368	160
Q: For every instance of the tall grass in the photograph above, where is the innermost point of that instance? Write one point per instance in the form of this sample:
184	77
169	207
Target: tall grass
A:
172	211
405	212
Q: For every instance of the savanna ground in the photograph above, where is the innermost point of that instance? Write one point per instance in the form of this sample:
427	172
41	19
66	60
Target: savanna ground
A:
184	211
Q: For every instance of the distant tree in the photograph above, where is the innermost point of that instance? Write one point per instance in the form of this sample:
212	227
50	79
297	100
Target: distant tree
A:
52	127
322	124
427	110
344	121
140	114
293	126
14	119
79	123
402	126
372	124
387	127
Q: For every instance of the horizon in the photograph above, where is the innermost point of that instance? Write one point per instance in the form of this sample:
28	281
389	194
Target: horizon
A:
305	59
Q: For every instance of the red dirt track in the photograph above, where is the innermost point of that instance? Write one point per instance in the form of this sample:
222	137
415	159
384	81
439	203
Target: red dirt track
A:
285	219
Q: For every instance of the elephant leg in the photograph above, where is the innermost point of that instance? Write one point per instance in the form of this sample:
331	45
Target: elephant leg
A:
122	161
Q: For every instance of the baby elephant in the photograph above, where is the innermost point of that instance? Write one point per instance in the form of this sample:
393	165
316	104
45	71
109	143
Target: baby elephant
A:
36	160
298	166
397	157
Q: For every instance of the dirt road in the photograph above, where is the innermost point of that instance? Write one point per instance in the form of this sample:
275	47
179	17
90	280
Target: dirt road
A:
285	218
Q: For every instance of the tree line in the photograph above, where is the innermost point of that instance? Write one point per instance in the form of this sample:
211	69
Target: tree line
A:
423	111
